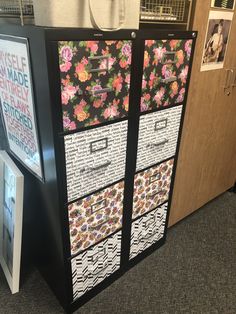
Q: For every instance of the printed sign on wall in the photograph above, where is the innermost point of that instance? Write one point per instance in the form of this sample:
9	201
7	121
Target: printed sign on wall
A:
16	99
216	41
11	207
223	4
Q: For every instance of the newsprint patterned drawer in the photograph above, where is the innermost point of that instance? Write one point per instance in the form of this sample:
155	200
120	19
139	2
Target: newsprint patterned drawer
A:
95	217
151	187
158	135
147	230
95	264
95	158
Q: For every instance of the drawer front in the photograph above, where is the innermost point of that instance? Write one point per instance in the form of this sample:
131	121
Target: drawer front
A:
158	135
147	230
94	265
95	158
95	217
95	81
165	72
151	187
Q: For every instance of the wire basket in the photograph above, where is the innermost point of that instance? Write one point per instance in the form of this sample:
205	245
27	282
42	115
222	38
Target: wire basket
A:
16	7
163	10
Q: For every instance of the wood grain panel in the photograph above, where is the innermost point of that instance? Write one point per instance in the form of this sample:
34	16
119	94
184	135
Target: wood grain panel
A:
207	163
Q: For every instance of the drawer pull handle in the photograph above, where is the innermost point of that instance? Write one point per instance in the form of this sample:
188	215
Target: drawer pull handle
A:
95	92
99	225
147	237
168	57
155	194
157	145
95	168
96	70
101	166
169	79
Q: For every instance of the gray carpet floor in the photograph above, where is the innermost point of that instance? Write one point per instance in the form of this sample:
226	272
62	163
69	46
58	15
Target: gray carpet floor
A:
194	272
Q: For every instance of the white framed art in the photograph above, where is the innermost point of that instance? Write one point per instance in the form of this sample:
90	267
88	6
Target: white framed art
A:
17	102
11	216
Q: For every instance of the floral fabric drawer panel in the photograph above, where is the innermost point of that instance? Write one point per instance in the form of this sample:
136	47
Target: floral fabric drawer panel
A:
151	187
158	135
165	73
95	81
147	230
95	158
95	217
95	264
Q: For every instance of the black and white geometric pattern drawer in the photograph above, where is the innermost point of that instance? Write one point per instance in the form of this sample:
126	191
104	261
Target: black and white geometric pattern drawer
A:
95	158
147	230
94	265
158	135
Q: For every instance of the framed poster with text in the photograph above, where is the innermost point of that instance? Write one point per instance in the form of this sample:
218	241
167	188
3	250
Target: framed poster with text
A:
17	103
11	212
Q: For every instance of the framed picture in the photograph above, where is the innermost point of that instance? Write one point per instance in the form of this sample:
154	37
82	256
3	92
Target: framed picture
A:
11	212
223	4
216	41
17	103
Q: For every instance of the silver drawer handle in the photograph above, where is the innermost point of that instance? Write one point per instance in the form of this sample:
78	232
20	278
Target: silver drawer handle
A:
95	168
94	92
156	145
149	235
148	196
101	91
99	225
169	79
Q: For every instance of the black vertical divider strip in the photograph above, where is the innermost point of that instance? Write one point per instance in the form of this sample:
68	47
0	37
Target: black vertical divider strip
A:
53	65
194	36
132	143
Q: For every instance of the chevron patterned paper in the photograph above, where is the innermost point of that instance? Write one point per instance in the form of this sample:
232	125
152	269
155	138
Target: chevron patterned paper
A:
94	265
147	230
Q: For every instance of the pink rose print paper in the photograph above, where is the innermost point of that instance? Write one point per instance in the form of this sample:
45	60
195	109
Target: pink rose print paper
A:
96	216
165	73
95	81
151	187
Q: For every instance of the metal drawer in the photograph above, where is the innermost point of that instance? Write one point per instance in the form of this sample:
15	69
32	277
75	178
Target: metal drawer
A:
95	81
158	135
147	230
95	158
151	187
165	73
95	217
94	265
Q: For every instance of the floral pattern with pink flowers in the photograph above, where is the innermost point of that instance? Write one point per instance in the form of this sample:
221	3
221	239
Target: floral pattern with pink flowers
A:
95	217
82	103
165	78
151	187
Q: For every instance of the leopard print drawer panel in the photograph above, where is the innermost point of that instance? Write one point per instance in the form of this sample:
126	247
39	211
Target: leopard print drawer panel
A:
151	187
95	217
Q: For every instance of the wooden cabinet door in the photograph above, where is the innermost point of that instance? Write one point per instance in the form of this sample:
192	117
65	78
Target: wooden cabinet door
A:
207	158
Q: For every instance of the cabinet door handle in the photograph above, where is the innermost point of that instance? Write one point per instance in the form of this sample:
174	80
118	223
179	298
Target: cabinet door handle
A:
233	84
227	78
94	70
